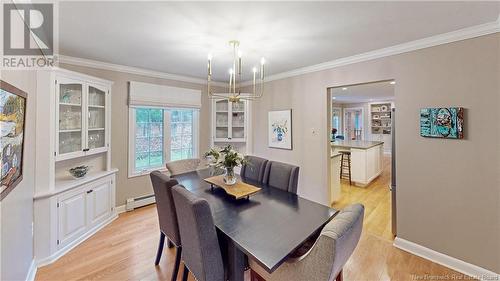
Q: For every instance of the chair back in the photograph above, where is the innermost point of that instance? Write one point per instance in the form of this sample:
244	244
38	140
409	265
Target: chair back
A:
255	168
162	186
281	175
342	234
200	246
183	166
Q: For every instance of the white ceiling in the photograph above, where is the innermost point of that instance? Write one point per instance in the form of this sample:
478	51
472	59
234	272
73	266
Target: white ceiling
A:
372	92
175	37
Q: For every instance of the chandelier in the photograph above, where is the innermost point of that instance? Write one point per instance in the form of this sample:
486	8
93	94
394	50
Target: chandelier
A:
234	93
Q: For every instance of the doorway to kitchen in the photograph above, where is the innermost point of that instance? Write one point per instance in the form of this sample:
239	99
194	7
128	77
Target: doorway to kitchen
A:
362	149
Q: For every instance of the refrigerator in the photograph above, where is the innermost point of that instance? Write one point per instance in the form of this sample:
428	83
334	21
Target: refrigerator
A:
393	172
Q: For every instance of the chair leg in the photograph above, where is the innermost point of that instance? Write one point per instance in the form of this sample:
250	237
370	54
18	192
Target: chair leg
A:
160	248
169	243
341	164
254	276
340	276
178	253
185	273
350	182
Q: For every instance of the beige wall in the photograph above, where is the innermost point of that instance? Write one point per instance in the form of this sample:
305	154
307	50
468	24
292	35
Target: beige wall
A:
16	210
137	186
448	190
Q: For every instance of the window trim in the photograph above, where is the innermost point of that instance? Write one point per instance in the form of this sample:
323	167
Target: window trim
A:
166	138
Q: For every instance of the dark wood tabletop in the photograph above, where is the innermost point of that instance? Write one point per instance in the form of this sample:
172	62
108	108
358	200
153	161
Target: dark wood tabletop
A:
268	226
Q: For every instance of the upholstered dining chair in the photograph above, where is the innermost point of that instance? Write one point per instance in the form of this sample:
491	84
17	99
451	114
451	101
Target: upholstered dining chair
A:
183	166
201	252
255	168
327	256
282	175
162	186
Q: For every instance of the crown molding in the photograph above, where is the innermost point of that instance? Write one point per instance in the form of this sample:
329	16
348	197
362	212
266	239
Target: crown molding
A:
445	38
132	70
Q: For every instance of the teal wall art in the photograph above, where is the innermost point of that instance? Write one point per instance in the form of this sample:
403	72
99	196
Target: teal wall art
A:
442	122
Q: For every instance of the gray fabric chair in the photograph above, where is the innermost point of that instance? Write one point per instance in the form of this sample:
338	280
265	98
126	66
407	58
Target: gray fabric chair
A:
328	255
201	253
162	186
281	175
255	169
183	166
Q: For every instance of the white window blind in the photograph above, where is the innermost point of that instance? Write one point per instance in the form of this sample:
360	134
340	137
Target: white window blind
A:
146	94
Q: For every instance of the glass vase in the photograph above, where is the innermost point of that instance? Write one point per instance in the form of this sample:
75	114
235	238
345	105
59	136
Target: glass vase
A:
229	177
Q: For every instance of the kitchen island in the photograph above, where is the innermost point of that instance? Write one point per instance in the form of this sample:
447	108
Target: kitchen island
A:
366	159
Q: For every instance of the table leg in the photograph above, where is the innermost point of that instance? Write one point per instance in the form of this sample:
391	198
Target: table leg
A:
236	262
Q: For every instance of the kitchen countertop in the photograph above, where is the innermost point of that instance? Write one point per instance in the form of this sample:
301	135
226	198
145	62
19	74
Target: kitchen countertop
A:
356	144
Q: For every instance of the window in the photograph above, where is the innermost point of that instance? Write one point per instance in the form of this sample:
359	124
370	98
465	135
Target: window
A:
181	128
159	135
337	119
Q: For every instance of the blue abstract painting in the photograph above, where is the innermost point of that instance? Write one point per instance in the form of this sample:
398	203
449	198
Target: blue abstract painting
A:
442	122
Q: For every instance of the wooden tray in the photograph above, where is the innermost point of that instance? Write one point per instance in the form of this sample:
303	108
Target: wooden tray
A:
238	190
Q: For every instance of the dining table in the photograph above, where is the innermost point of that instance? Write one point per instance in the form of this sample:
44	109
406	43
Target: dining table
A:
267	226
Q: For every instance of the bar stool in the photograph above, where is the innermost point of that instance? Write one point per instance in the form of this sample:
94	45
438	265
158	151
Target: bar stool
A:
345	165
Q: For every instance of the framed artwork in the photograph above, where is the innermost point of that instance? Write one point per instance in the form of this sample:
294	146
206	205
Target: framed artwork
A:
442	122
280	129
12	125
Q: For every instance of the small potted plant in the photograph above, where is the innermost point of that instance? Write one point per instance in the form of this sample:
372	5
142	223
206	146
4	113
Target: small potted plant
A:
227	158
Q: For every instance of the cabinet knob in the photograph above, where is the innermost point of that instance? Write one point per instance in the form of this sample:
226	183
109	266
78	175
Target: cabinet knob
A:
86	149
90	191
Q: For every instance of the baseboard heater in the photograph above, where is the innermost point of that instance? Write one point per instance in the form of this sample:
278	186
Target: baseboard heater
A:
133	203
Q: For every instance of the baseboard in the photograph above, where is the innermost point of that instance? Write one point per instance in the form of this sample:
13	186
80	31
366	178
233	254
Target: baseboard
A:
445	260
61	252
32	271
120	209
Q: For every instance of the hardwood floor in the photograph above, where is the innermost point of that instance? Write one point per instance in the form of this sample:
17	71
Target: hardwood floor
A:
376	198
375	258
125	249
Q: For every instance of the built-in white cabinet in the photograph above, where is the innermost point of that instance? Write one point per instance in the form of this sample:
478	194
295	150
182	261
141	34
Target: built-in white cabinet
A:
380	123
82	115
83	208
99	202
73	129
230	121
72	212
230	124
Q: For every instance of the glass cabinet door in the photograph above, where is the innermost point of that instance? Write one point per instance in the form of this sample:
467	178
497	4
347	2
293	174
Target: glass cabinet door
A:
222	119
70	131
96	126
238	120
